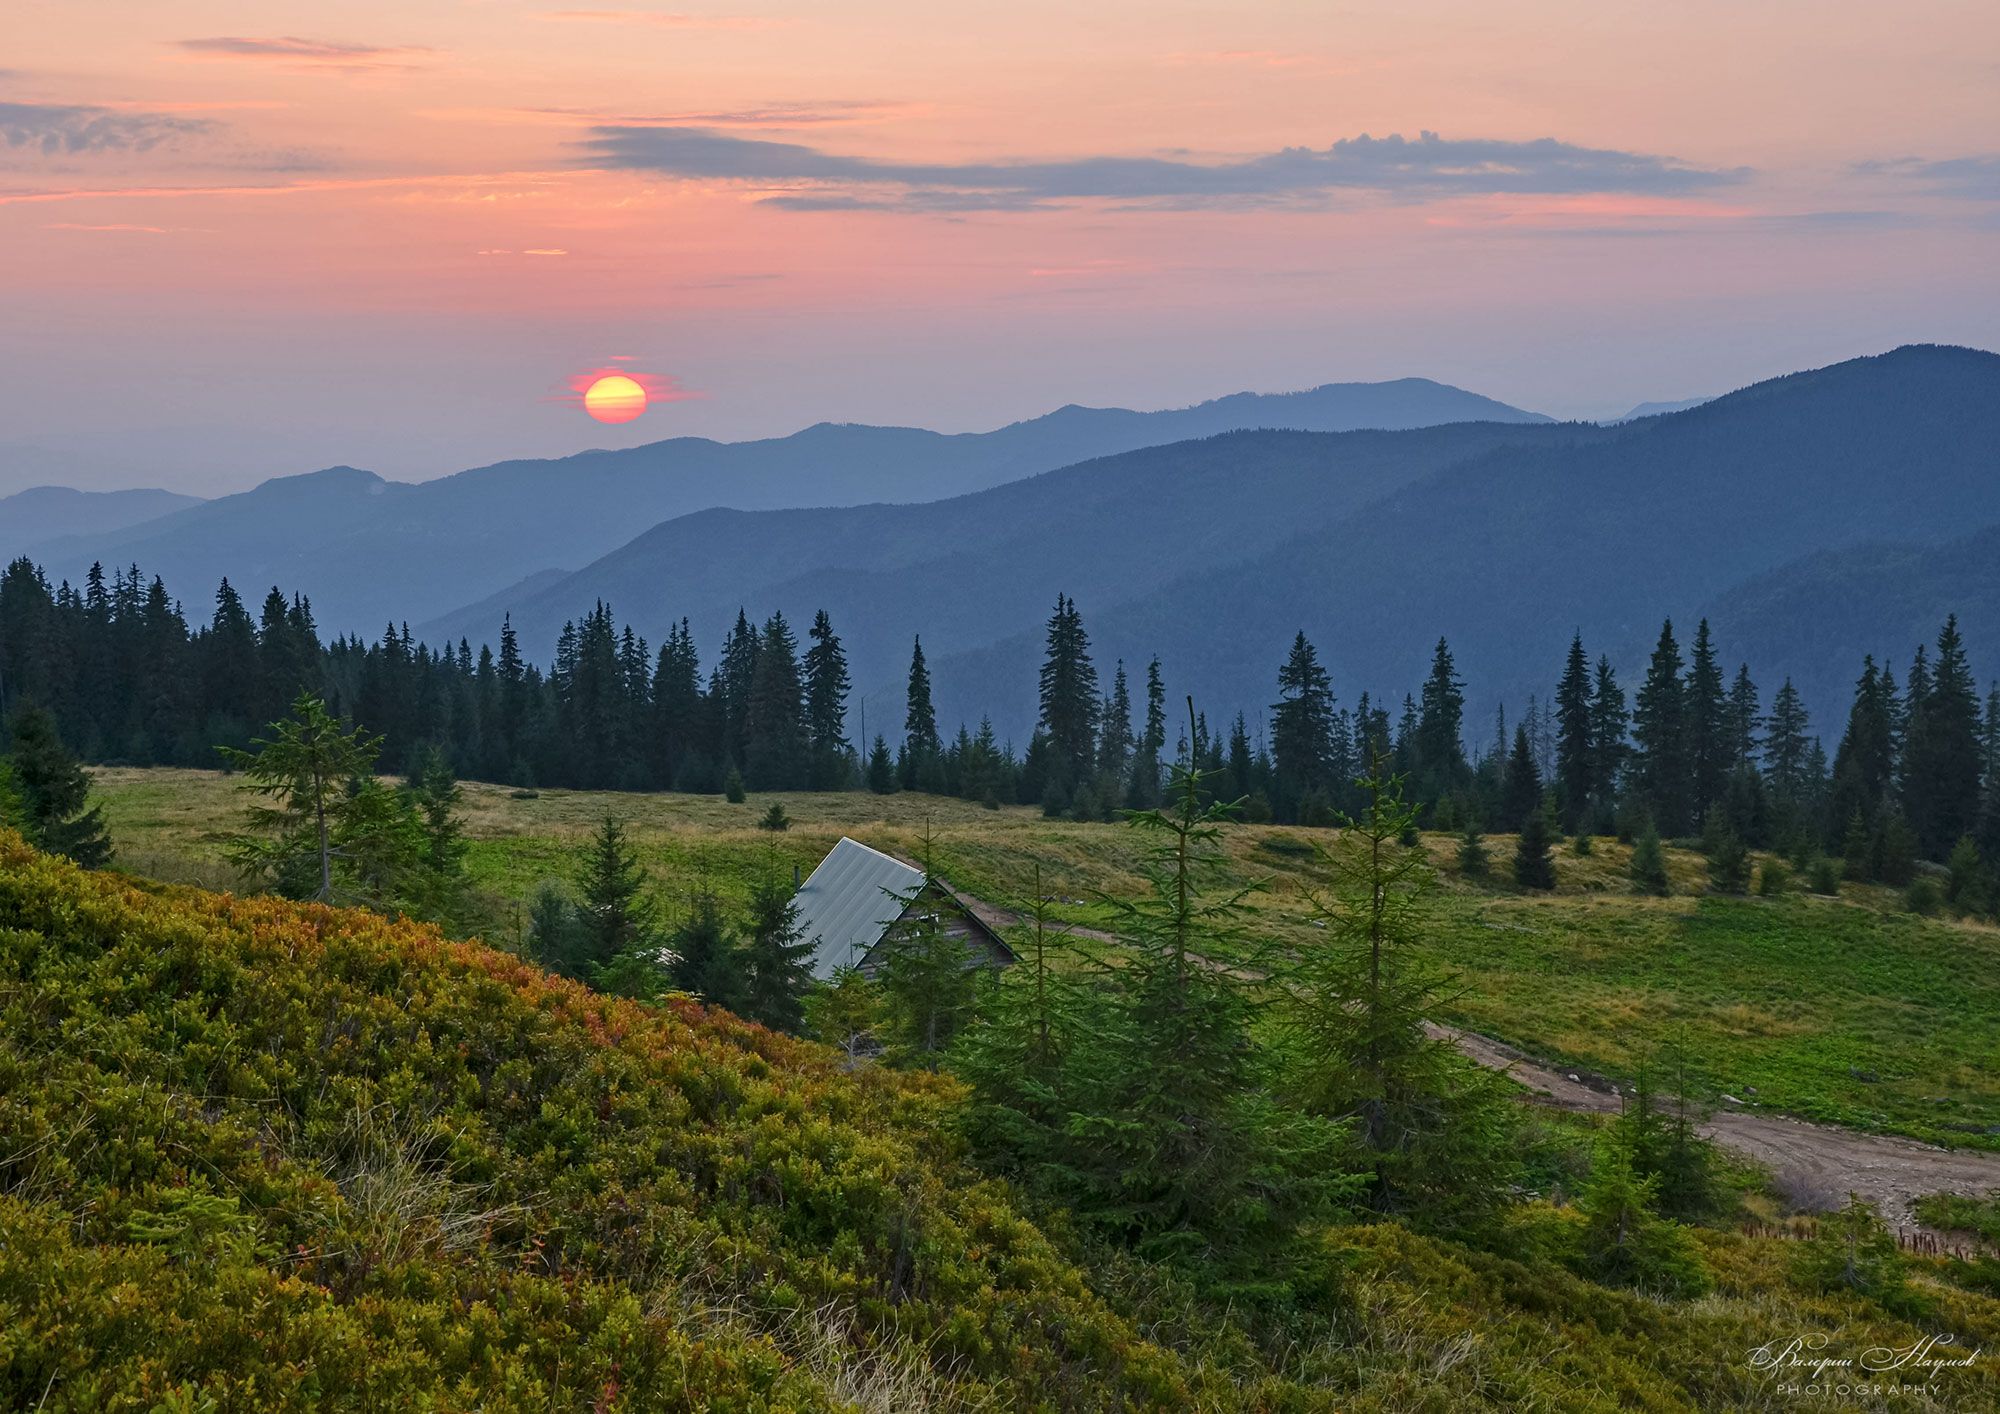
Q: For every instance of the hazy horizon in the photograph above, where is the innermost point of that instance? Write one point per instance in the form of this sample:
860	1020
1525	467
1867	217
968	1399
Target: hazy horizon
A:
243	246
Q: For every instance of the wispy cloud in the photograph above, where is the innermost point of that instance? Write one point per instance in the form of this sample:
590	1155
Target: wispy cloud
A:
69	129
1974	178
1427	167
758	116
292	51
116	227
660	19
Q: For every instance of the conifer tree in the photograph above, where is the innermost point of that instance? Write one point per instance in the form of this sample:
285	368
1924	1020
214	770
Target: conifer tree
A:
826	705
881	769
1660	736
1523	790
1649	864
921	744
1576	753
1142	788
1473	861
1069	701
1609	725
1016	1058
1742	721
1787	745
927	988
777	753
776	959
1435	1134
1943	752
1438	737
306	767
1301	731
706	958
1624	1242
1114	749
1176	1150
613	915
1534	864
52	791
1864	765
1705	715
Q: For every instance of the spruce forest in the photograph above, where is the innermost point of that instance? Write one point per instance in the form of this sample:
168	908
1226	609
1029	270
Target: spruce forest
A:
1692	749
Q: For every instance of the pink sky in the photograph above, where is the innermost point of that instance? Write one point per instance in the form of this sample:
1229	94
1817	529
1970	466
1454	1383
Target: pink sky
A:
251	239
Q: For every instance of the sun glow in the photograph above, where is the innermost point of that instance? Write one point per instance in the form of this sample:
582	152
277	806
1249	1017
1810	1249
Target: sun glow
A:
614	398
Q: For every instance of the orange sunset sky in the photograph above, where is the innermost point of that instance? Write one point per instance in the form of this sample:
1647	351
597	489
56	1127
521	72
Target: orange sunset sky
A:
244	240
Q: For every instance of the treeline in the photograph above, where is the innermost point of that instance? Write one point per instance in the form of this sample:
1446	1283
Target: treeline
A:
1692	751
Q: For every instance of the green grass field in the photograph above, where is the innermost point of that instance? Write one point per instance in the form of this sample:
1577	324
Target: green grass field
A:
1845	1010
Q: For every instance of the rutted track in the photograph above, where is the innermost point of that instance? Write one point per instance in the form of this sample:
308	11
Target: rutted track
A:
1821	1160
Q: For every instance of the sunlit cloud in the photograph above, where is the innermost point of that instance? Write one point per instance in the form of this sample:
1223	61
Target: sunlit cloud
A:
1427	167
62	129
114	228
291	51
761	116
659	19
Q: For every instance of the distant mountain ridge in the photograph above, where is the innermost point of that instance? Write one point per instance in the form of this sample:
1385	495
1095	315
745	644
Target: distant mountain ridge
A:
1213	553
367	550
43	513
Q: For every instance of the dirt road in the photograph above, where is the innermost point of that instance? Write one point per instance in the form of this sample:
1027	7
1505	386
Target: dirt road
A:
1815	1160
1815	1163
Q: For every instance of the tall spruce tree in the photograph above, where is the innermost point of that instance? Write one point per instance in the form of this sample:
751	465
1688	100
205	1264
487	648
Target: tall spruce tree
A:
1440	769
826	706
1705	715
1942	752
921	744
1864	765
1660	739
1522	796
1610	725
778	754
1069	701
1301	736
1576	753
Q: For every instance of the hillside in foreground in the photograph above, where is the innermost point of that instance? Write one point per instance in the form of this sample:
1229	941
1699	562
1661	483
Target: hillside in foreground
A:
260	1155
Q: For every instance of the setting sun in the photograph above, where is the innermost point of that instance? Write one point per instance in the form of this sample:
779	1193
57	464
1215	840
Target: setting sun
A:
614	398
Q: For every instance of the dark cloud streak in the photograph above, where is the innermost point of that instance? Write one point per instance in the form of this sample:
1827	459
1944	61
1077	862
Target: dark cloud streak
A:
1427	167
73	129
1975	178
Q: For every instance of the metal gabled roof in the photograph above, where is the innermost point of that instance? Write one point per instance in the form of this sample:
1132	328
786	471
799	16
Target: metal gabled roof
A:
849	903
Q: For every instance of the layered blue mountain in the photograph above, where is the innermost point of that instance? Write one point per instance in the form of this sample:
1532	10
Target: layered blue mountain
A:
1504	539
43	513
368	551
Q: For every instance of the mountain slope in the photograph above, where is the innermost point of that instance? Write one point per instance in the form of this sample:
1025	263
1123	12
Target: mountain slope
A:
48	512
971	567
257	1155
1214	553
367	550
1811	620
311	1155
1508	553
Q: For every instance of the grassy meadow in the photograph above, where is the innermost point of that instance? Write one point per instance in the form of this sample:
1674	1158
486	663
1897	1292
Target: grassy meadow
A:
1848	1010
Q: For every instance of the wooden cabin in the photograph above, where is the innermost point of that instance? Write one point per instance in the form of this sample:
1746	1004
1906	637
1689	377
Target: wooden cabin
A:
858	894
